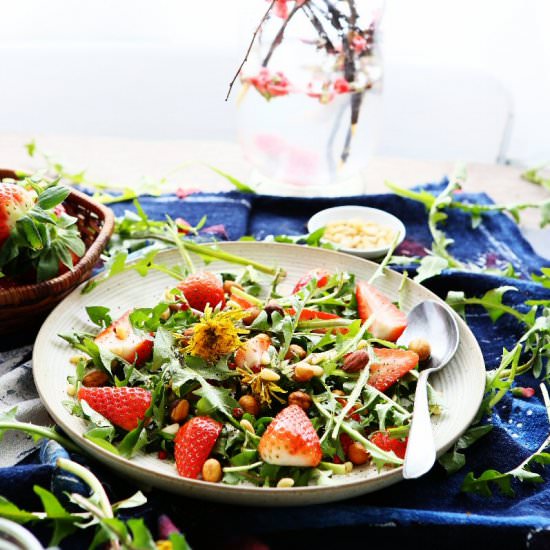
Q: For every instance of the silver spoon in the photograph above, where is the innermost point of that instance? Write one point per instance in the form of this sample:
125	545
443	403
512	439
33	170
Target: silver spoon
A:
433	322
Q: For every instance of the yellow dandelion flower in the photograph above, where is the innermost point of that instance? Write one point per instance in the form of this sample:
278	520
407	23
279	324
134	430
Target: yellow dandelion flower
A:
216	334
264	390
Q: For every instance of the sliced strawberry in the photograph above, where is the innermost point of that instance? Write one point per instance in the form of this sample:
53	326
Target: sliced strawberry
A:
321	275
123	406
291	440
387	443
250	355
202	288
193	444
390	322
15	201
121	339
389	366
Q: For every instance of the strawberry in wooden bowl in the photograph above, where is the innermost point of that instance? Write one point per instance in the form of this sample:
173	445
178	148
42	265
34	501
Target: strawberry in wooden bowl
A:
50	239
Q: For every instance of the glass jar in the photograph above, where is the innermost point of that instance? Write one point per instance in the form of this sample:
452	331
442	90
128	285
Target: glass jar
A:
310	103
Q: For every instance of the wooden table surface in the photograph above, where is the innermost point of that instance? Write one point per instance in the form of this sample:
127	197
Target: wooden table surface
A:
125	161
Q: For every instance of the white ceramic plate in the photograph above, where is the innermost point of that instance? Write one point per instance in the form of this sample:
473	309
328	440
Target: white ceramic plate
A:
461	382
364	213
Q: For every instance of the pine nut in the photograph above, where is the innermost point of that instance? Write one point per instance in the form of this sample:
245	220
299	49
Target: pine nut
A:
171	429
269	375
285	482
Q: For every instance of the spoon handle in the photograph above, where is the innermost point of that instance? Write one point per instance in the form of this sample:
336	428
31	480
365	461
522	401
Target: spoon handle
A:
420	454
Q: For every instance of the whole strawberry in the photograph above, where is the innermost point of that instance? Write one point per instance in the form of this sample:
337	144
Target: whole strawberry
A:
202	288
291	440
15	201
122	406
193	444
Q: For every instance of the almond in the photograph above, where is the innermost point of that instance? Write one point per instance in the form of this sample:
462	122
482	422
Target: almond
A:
95	378
356	361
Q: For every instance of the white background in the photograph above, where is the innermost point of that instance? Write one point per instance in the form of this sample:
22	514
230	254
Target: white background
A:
160	69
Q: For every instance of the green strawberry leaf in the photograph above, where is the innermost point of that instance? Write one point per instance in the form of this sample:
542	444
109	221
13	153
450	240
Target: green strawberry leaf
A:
27	227
48	266
53	196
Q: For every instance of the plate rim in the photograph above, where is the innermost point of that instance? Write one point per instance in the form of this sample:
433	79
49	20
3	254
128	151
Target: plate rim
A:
229	492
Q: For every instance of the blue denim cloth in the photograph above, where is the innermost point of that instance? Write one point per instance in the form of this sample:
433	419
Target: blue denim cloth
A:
520	425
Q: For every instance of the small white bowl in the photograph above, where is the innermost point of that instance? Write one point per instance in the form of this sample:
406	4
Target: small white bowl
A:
364	213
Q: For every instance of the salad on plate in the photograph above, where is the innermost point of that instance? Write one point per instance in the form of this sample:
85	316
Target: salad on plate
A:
236	381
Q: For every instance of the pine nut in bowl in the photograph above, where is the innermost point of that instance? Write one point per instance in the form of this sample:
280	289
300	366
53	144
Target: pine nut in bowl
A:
359	230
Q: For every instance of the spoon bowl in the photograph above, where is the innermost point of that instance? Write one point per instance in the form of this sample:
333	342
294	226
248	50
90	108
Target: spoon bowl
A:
434	323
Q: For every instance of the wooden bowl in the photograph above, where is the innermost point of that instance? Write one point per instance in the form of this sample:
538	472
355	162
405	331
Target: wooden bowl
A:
24	306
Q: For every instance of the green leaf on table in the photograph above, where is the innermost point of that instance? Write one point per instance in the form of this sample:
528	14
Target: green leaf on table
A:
482	484
179	542
545	214
64	522
425	197
492	301
314	238
453	460
430	266
543	278
141	537
31	148
8	510
137	499
239	185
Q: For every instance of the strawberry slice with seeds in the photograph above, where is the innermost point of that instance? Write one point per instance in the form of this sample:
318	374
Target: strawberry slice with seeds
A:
390	322
321	275
291	440
387	443
123	406
121	339
194	443
202	288
250	355
389	365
